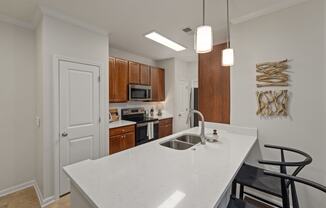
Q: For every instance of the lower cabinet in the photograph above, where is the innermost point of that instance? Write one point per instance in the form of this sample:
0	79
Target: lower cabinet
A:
121	138
165	127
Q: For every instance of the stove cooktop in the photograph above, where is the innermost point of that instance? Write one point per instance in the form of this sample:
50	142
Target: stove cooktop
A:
142	120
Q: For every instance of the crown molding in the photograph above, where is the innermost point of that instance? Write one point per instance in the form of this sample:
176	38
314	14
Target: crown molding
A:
58	15
14	21
266	11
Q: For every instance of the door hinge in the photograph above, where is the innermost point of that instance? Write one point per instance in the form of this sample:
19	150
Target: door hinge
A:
99	78
99	119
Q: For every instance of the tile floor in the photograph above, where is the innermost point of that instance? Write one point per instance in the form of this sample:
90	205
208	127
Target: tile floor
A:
27	198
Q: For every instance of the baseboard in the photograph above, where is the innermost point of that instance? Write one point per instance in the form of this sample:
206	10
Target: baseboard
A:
43	201
16	188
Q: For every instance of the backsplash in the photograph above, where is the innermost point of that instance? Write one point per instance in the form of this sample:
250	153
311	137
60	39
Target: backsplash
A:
131	104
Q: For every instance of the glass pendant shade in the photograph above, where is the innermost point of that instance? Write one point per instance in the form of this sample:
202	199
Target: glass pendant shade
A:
204	39
228	57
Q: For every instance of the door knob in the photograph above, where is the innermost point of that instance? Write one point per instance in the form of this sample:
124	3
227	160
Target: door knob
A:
64	134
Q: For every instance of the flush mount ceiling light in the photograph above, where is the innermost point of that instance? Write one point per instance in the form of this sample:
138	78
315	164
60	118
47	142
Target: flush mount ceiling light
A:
164	41
228	53
204	36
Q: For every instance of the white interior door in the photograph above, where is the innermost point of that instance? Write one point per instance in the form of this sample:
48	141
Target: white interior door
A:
182	107
79	115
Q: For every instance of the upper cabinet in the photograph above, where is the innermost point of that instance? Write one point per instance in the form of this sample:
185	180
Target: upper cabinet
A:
145	75
123	72
139	74
118	80
134	73
158	84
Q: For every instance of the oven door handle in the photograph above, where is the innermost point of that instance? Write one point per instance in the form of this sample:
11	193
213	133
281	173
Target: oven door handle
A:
146	124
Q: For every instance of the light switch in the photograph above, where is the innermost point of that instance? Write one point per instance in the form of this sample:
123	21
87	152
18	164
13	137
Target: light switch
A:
38	121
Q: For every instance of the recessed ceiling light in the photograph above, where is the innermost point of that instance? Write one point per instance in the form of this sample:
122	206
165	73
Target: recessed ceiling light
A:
164	41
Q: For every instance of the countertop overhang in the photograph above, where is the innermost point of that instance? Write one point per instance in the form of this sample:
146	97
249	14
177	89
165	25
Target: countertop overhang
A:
150	175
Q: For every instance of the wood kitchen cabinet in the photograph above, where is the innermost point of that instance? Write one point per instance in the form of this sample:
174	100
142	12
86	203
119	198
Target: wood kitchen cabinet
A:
139	74
121	138
158	84
134	73
214	86
165	127
118	80
145	75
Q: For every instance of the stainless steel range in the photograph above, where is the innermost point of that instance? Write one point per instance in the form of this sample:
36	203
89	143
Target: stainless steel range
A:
146	127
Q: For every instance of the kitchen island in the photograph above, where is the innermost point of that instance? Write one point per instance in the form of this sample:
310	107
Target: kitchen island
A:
152	175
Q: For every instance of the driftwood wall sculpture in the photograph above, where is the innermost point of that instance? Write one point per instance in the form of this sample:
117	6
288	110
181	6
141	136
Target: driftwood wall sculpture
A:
272	74
272	103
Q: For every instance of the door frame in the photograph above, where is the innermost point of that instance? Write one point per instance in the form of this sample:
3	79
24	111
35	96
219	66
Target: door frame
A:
103	101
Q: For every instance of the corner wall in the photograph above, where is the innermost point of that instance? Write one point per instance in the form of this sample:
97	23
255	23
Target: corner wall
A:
17	112
296	33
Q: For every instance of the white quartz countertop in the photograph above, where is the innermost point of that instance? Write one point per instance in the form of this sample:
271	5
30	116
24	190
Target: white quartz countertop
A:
151	175
120	123
163	116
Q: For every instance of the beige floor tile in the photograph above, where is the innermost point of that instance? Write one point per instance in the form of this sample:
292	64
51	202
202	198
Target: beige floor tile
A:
27	198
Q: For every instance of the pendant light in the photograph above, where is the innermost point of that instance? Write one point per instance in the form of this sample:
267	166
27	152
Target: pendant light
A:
228	53
204	36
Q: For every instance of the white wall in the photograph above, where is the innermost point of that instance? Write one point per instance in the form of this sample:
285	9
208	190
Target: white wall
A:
176	70
169	66
114	52
39	107
295	33
17	98
63	39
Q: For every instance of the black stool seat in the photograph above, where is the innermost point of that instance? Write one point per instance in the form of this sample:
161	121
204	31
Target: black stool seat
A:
237	203
254	177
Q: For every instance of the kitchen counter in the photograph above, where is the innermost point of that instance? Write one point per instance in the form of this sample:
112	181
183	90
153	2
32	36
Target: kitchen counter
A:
163	116
153	176
120	123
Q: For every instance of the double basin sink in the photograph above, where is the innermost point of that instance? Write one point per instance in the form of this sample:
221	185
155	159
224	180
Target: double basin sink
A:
182	142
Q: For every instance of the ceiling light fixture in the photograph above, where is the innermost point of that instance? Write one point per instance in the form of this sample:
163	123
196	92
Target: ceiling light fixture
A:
228	53
164	41
204	36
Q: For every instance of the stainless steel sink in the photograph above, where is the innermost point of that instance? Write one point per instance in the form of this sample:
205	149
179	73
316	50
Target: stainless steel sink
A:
177	145
192	139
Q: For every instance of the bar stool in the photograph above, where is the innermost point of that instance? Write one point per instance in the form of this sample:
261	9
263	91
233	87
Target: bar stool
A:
237	203
254	177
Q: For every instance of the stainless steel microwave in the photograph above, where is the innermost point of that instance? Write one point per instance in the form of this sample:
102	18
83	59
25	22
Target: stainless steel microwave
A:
140	93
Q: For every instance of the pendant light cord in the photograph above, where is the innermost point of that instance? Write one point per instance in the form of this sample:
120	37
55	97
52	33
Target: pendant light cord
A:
228	23
203	12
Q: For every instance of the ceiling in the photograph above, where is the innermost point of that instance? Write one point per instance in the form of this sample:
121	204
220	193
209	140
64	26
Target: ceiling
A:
128	20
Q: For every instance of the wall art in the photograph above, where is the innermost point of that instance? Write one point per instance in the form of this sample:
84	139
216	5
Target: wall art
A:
272	103
272	74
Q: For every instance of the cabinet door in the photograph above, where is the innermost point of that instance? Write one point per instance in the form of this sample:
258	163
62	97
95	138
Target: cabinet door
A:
158	84
129	140
145	75
115	144
134	73
165	127
121	82
112	74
